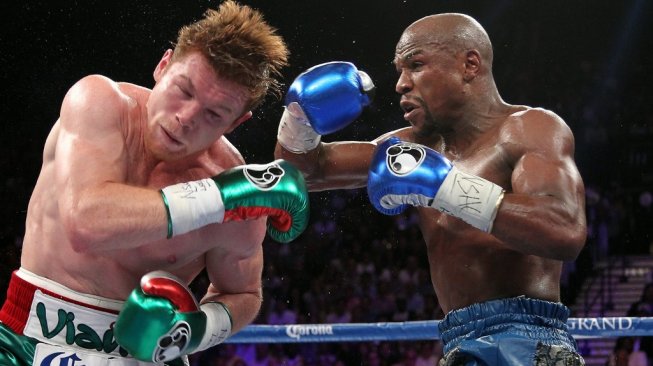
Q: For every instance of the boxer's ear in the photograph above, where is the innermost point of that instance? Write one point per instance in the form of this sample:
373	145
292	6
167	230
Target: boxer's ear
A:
247	115
163	63
473	64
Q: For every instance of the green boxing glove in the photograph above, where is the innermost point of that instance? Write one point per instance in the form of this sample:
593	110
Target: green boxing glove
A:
276	190
161	320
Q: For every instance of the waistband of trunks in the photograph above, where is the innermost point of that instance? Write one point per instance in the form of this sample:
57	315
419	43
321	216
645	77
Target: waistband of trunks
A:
520	309
24	284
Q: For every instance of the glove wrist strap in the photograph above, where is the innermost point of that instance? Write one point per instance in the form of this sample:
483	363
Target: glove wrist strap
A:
218	325
470	198
191	205
295	133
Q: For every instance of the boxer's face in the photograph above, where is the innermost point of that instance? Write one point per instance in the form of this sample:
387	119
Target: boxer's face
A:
190	107
429	83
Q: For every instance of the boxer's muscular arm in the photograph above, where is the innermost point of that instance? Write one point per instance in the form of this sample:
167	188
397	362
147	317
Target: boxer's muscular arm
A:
163	303
337	165
97	210
544	215
235	271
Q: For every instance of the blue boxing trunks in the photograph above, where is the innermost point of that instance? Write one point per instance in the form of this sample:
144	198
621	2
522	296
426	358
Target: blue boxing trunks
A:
513	331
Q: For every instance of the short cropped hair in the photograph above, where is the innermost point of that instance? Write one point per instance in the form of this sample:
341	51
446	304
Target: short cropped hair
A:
240	46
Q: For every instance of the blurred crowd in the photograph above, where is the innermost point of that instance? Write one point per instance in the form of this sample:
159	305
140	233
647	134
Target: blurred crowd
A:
355	265
351	265
632	350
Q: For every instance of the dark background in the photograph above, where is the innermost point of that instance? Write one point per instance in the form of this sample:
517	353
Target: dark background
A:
589	61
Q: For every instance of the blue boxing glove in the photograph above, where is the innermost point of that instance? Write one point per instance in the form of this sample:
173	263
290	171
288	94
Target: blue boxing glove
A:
322	100
405	173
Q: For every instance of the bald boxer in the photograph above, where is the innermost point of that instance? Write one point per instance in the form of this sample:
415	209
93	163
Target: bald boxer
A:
138	193
500	199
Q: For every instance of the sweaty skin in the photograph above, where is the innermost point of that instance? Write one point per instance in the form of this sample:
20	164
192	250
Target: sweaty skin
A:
96	222
451	101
